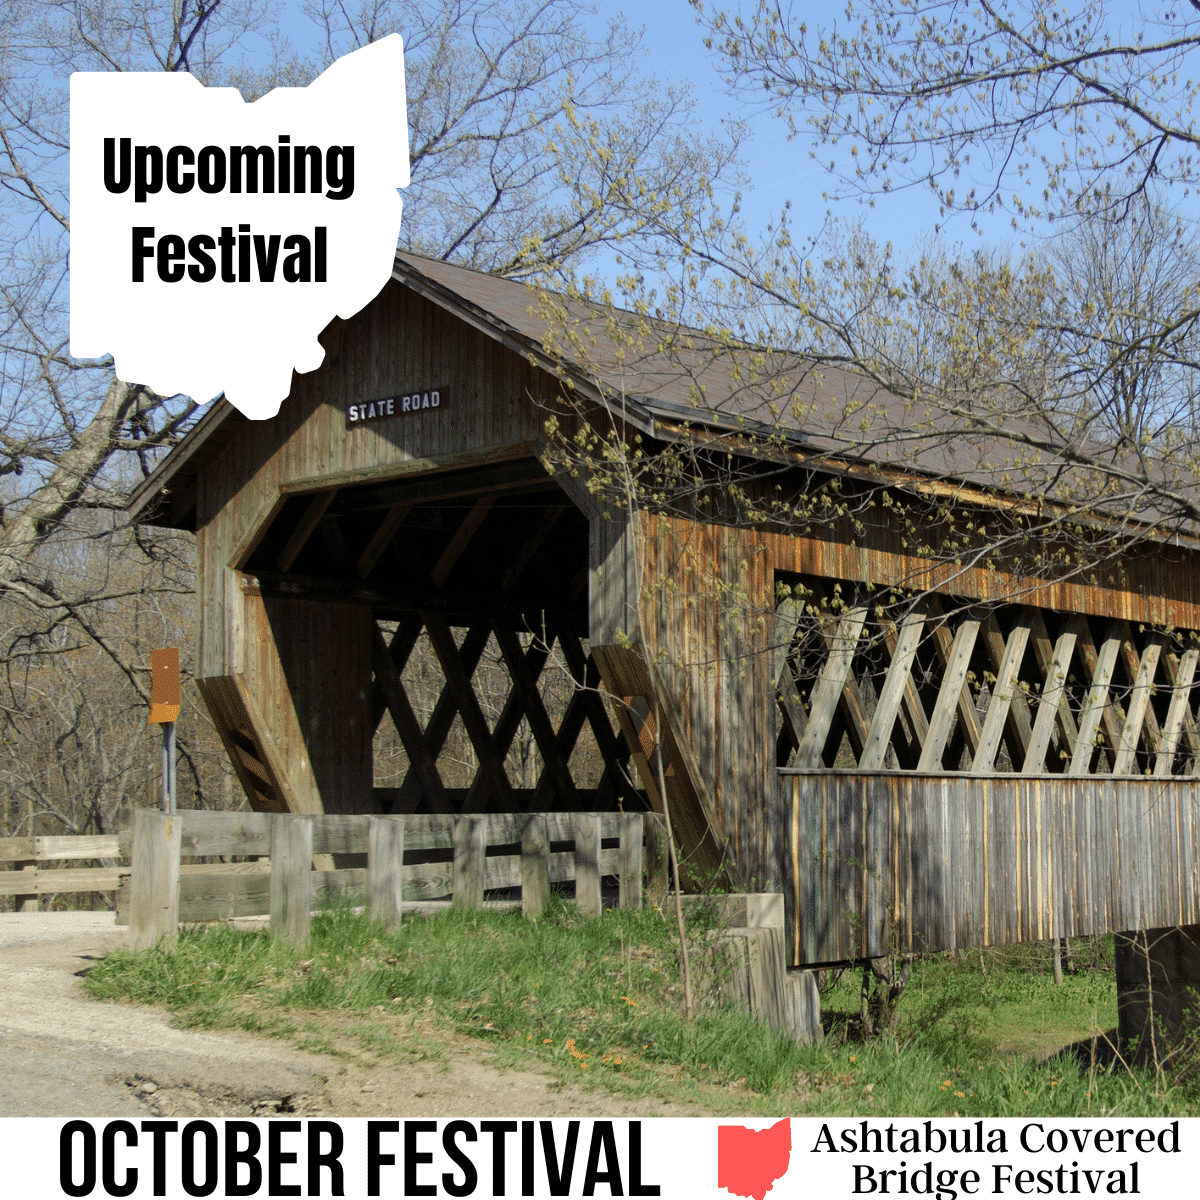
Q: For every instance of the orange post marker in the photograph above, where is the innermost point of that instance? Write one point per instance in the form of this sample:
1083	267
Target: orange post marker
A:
164	686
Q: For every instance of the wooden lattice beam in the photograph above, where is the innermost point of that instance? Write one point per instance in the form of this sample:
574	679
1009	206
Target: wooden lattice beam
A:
508	723
461	539
398	651
851	718
793	718
910	693
1008	711
1139	714
524	667
381	538
954	697
491	763
1099	715
441	720
535	713
826	695
702	850
316	509
1047	654
639	738
407	726
897	689
1180	672
969	726
1055	702
1131	660
614	750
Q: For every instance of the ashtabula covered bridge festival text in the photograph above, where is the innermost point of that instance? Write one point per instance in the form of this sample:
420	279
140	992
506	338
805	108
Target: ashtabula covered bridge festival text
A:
1065	1176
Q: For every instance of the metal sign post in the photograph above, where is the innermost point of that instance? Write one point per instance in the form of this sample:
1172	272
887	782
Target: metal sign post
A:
164	710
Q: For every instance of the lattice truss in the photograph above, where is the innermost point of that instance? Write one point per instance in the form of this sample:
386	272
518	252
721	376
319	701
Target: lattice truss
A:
932	684
492	718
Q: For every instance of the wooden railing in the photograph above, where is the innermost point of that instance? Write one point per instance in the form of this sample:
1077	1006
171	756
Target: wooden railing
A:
412	862
29	879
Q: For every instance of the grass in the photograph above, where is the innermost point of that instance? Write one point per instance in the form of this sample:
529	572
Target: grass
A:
1000	1000
599	1001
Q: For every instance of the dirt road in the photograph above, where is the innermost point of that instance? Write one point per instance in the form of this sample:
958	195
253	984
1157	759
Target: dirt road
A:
67	1055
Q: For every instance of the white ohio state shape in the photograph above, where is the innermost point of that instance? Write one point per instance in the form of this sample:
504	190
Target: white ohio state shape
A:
244	337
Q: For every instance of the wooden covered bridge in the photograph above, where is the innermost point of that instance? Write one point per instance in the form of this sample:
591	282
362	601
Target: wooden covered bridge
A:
921	747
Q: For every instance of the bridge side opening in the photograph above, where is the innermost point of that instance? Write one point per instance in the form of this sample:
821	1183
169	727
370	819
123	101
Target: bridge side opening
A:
430	639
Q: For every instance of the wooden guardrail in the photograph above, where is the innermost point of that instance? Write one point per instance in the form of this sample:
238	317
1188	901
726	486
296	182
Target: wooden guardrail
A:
30	880
412	862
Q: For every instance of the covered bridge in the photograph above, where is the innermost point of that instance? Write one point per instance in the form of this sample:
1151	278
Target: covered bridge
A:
920	745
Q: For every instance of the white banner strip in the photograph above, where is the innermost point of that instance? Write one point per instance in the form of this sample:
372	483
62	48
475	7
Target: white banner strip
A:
945	1159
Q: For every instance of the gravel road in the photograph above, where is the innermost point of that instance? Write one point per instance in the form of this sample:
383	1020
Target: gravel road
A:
68	1056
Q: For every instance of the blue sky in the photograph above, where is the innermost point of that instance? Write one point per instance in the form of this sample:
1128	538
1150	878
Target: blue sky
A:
780	170
783	170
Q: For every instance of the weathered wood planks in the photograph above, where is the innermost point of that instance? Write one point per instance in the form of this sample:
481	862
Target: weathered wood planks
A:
29	880
954	698
828	691
48	882
291	878
947	861
385	875
535	866
472	855
587	864
60	849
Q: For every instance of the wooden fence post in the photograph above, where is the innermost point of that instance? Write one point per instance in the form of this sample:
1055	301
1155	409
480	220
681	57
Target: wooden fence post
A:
470	852
385	861
587	863
535	866
28	901
154	879
291	877
630	876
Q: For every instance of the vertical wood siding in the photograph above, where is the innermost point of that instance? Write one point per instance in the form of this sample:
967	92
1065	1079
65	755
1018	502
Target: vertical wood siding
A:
928	862
1154	582
309	665
707	598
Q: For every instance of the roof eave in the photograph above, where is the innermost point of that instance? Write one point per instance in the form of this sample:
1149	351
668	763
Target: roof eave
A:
513	339
149	493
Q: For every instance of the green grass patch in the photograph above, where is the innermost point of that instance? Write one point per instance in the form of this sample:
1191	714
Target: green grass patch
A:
600	1000
996	1001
